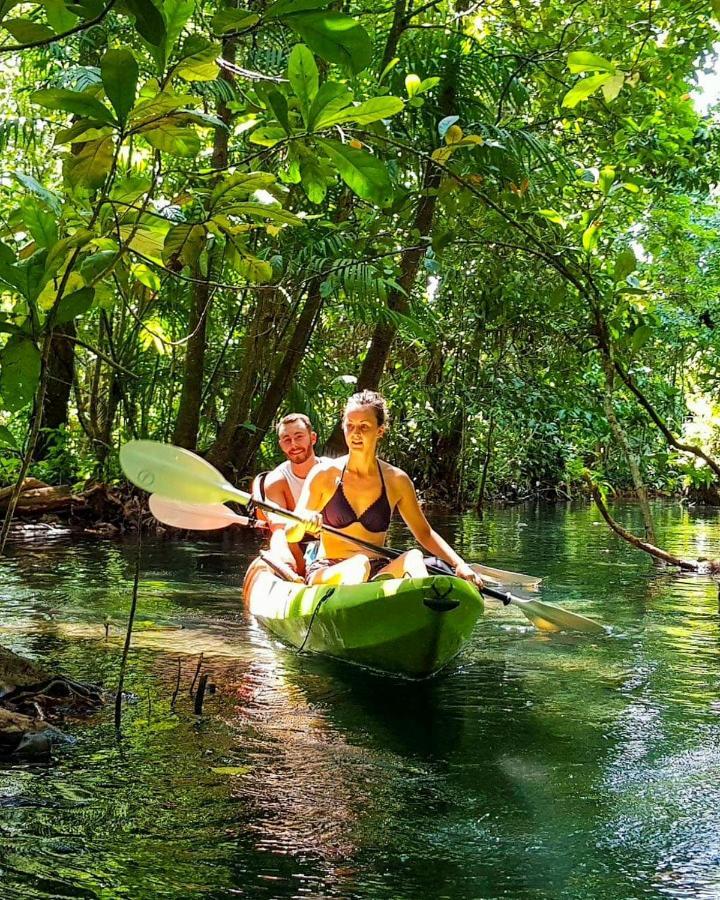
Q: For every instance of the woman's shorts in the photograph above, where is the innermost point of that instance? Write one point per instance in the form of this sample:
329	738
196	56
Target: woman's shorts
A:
376	565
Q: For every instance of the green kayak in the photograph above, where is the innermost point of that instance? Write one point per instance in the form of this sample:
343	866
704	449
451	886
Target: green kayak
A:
408	627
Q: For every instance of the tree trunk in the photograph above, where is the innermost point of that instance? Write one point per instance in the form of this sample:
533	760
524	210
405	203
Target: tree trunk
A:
632	461
253	350
246	444
187	423
398	300
61	372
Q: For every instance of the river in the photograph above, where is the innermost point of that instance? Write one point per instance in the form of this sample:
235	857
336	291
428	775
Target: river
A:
536	766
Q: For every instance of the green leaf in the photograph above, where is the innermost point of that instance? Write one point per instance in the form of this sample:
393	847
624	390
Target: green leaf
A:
641	336
80	103
40	223
74	305
7	439
58	16
265	211
98	265
176	13
613	86
173	139
81	131
624	265
233	20
303	77
334	36
146	276
412	85
363	173
428	83
583	89
590	237
552	216
90	167
288	7
162	104
388	68
256	270
200	61
25	32
230	770
279	106
370	111
313	181
119	71
330	99
606	179
584	61
48	197
240	184
20	372
146	239
149	22
183	243
267	136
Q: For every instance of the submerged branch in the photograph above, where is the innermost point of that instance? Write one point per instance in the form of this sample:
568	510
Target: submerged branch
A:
699	566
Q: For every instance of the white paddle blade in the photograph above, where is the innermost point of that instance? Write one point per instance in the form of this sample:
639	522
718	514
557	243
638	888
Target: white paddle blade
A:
529	582
548	617
175	473
194	516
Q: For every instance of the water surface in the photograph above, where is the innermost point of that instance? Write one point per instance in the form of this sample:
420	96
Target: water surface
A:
536	767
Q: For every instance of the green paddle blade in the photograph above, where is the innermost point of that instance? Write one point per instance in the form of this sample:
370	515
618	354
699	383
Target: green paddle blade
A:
175	473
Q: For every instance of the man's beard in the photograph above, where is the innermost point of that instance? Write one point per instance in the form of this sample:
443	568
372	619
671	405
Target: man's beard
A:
301	458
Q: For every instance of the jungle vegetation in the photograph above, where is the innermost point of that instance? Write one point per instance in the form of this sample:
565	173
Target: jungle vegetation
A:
502	214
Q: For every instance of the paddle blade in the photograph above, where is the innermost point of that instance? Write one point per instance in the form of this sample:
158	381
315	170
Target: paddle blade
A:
175	473
548	617
196	517
529	582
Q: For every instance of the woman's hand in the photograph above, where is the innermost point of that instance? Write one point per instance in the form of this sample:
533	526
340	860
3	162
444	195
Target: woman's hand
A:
311	522
464	571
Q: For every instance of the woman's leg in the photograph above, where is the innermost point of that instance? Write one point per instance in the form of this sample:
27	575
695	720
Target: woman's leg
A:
410	564
353	570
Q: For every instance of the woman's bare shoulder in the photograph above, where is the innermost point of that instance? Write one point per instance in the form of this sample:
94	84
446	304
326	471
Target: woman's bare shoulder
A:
394	474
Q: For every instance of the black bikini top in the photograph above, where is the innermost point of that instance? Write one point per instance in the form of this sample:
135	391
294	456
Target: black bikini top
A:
338	513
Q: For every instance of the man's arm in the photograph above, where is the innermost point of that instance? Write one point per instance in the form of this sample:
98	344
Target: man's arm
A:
426	536
276	492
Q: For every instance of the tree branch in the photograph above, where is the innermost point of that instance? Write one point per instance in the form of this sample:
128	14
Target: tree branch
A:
43	42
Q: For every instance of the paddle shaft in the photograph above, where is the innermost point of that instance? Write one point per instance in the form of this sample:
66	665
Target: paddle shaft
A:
388	552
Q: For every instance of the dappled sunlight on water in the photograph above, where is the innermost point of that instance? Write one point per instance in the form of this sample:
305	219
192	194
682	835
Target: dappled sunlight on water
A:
538	766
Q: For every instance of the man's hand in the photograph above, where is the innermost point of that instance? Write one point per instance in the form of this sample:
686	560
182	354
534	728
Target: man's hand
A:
463	570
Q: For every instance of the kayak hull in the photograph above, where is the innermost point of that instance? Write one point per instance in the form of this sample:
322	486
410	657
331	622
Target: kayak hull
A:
407	627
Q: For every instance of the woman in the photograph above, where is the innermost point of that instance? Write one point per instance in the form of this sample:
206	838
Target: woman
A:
360	481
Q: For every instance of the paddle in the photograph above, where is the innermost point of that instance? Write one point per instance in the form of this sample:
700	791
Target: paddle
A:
173	472
196	516
211	516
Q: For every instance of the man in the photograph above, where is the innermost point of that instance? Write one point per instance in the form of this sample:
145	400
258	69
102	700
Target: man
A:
284	484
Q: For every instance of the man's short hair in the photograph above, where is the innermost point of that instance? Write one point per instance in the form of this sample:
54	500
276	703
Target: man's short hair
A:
294	417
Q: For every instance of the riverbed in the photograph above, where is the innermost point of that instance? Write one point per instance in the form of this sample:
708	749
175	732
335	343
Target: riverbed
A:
536	766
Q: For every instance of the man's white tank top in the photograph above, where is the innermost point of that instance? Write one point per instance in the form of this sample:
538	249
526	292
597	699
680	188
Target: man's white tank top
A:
295	483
